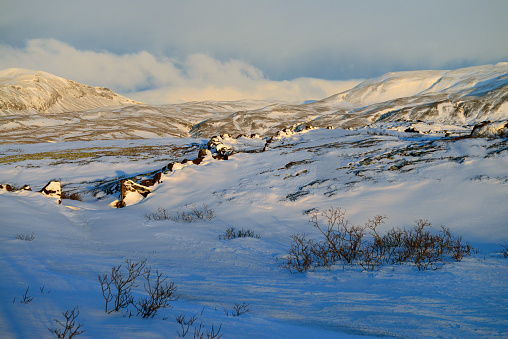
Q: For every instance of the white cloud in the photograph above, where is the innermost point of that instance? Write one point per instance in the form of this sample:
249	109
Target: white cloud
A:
145	77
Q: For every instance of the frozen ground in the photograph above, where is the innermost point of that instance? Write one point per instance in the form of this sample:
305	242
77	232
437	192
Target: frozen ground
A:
458	182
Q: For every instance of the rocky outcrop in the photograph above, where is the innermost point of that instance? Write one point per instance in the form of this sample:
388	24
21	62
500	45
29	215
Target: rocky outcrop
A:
216	145
53	189
128	186
490	129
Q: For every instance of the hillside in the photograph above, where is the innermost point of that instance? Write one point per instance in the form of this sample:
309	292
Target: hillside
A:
442	100
25	91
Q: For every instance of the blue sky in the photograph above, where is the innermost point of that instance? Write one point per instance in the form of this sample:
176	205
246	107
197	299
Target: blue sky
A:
169	51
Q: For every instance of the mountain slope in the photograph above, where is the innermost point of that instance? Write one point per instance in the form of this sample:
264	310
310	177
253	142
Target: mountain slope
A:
26	91
459	98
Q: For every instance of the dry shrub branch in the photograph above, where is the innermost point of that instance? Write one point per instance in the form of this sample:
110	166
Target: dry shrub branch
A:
69	329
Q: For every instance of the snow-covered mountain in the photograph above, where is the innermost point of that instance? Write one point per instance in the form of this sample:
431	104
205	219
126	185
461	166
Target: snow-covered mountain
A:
460	98
463	97
27	91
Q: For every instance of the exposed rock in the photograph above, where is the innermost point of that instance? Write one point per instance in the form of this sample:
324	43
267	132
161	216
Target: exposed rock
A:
127	186
214	141
217	146
203	153
221	157
53	189
26	188
411	130
147	182
157	178
168	167
490	129
6	187
119	204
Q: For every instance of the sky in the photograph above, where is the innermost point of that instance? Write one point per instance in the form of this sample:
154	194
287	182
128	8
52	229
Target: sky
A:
292	50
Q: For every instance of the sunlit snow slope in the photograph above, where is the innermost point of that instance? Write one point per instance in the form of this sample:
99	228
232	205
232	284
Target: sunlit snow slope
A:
27	91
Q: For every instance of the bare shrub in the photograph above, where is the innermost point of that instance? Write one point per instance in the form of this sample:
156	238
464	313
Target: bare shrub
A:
69	329
72	196
185	324
161	214
232	233
200	332
189	214
117	287
160	294
300	256
238	309
504	251
25	299
363	245
27	237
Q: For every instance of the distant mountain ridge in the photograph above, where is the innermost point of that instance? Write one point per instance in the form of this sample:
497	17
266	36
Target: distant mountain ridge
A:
461	98
28	91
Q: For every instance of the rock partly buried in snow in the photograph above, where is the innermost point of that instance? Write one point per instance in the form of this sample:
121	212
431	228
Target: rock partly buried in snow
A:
157	178
6	187
128	186
216	145
53	189
202	155
490	129
26	188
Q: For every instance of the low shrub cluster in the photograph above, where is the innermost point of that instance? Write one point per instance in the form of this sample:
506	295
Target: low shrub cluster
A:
189	214
232	233
72	195
27	237
347	244
199	331
238	310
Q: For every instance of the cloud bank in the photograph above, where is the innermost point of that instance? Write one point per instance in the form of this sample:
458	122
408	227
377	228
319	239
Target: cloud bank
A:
158	80
286	39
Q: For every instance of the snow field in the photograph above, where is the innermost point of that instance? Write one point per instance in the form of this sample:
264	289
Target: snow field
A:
461	184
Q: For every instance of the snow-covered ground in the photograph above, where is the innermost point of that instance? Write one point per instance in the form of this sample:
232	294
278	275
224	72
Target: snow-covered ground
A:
458	182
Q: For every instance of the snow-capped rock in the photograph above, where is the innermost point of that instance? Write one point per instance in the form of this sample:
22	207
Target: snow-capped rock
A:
53	189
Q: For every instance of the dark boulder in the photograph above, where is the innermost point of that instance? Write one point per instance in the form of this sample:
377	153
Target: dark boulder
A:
6	187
